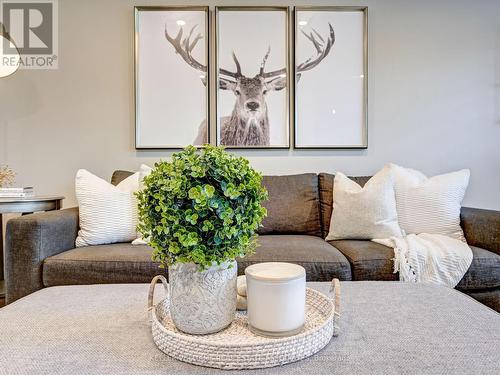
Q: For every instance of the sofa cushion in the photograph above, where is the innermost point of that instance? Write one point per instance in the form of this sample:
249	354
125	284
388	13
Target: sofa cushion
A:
372	261
488	297
124	263
116	263
293	205
481	228
369	260
483	273
325	184
322	261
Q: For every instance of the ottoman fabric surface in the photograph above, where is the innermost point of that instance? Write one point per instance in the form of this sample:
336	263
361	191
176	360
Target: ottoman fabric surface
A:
104	329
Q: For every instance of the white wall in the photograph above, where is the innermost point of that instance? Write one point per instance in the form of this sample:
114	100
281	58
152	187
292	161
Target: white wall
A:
434	98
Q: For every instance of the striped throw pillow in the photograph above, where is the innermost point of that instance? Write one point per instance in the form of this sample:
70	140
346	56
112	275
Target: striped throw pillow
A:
108	214
430	205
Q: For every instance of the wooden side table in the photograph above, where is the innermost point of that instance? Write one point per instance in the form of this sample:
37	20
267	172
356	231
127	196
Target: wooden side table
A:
24	206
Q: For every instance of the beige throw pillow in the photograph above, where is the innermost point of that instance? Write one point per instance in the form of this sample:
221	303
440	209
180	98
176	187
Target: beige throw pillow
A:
364	213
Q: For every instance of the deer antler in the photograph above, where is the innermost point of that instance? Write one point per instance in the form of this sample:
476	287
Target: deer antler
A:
322	48
264	60
185	46
228	73
272	74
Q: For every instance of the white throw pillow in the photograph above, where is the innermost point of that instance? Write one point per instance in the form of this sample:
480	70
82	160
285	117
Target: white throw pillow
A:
430	205
108	214
364	213
143	172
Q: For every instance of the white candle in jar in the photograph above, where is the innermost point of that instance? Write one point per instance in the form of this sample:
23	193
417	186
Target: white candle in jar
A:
276	298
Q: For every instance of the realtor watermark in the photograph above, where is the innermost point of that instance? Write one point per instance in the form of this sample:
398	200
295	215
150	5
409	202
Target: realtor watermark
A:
32	27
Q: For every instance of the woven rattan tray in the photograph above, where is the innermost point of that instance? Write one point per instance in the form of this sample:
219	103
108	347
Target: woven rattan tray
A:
236	347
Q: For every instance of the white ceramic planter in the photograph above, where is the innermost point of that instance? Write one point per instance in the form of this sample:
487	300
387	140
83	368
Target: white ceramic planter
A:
276	298
202	302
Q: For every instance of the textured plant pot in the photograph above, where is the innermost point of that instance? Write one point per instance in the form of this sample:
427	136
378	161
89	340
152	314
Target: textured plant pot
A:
202	302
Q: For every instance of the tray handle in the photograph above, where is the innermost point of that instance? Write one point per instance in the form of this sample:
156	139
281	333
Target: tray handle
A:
335	288
152	290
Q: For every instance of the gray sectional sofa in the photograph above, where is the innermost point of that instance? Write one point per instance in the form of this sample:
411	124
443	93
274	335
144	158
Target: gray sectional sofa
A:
40	248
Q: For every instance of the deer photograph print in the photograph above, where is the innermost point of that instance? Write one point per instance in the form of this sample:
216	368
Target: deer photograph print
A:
330	77
171	76
252	75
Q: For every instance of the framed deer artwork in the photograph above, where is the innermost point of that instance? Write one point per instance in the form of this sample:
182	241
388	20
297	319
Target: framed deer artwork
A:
252	76
330	77
171	76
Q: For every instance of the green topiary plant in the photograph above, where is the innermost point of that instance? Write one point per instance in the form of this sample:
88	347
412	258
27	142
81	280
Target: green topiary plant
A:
202	207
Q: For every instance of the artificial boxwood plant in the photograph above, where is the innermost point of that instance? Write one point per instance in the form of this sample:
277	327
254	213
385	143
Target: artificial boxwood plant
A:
202	207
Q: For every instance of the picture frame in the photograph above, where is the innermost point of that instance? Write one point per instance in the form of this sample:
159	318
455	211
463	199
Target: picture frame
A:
252	77
167	76
338	119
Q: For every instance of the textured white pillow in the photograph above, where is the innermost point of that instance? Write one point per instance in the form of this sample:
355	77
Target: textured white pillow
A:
144	171
430	205
108	214
364	213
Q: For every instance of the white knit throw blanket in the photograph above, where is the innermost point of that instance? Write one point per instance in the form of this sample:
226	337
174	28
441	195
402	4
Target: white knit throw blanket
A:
431	258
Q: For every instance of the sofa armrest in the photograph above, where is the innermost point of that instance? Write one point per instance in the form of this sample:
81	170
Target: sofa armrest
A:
29	240
481	228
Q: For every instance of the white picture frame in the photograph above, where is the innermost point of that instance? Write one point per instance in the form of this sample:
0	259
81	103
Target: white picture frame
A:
253	84
331	59
171	84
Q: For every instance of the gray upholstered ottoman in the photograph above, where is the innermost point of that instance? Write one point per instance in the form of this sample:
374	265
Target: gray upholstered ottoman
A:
386	328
